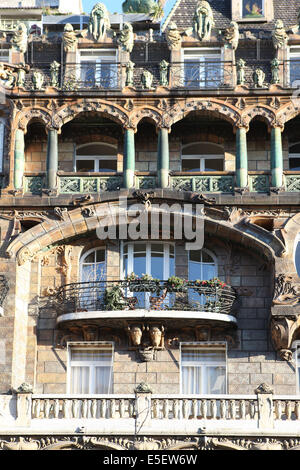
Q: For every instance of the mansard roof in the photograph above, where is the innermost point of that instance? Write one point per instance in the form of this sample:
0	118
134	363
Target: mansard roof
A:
183	11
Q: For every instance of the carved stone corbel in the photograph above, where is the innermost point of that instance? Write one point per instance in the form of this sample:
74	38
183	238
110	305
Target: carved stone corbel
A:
284	331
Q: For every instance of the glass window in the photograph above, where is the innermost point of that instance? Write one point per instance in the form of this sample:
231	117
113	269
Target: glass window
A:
297	254
4	55
253	9
294	67
202	68
98	69
96	157
93	272
91	370
154	259
202	265
294	157
202	156
203	369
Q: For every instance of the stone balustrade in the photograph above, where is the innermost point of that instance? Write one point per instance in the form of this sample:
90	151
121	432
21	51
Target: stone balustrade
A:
146	412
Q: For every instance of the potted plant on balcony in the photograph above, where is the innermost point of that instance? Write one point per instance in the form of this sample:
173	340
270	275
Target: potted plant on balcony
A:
176	284
114	298
145	283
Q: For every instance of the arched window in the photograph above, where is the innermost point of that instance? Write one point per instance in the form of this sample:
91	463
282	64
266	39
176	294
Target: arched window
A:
202	265
98	156
202	156
93	265
294	157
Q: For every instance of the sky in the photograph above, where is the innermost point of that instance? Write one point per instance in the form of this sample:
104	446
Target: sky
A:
115	6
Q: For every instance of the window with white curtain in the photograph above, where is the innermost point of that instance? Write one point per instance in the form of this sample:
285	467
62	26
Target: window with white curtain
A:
203	369
90	369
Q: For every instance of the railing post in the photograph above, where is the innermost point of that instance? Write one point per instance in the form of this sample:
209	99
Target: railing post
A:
265	407
24	405
142	407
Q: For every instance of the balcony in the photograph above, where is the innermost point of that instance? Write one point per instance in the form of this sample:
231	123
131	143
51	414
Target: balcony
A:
144	413
145	298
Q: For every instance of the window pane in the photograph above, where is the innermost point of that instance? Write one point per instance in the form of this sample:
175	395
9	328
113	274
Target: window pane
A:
139	264
103	380
215	380
157	265
294	164
85	354
96	150
190	164
80	379
108	165
100	256
297	258
85	165
214	165
191	380
202	355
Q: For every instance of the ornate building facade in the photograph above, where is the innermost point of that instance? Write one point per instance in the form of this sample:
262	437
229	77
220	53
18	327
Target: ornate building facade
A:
123	143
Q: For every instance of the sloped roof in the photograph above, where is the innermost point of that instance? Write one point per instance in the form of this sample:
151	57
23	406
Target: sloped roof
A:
183	11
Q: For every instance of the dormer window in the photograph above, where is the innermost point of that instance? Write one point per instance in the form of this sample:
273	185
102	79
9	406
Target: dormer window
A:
253	9
202	67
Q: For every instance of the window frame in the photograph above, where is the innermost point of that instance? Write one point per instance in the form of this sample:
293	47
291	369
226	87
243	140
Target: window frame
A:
205	345
202	157
86	254
96	58
198	55
212	255
89	345
97	158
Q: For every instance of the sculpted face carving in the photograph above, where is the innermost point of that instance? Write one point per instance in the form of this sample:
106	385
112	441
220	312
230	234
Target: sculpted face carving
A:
156	336
135	333
99	22
203	20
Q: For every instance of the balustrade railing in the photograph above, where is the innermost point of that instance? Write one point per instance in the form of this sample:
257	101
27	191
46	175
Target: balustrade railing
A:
211	296
144	410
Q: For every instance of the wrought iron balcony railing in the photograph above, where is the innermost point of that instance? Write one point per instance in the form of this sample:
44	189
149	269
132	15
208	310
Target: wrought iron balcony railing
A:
211	296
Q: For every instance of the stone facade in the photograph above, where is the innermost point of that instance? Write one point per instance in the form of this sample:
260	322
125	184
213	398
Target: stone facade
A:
222	95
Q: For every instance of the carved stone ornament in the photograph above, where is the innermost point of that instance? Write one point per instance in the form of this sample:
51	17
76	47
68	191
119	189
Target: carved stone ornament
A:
231	35
279	35
20	38
259	78
129	73
143	388
25	388
99	22
275	71
126	38
285	292
163	72
37	80
264	388
70	39
7	78
173	36
146	80
284	330
241	72
203	20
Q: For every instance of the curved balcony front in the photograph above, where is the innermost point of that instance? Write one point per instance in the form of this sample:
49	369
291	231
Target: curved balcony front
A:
115	302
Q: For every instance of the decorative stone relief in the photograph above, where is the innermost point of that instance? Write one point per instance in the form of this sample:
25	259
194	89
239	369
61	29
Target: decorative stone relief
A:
279	35
231	35
259	78
147	79
37	80
129	73
275	71
126	38
99	22
173	36
163	72
285	292
7	78
241	72
54	71
20	38
70	39
203	20
284	330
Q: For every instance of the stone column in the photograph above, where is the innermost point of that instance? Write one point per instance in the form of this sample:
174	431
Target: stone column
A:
52	159
19	159
241	158
276	158
129	159
163	158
